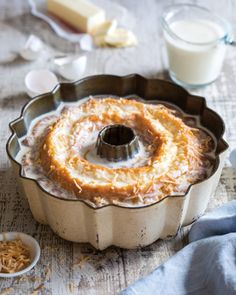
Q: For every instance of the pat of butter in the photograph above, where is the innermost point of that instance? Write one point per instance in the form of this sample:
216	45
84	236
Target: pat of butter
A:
80	14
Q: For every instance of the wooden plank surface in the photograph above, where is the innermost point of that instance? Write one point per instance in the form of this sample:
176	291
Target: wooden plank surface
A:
64	267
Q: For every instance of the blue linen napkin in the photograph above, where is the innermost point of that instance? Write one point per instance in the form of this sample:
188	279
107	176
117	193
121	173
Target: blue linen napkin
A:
206	266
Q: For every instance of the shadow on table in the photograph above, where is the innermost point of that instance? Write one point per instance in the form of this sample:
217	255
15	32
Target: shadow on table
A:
163	74
13	102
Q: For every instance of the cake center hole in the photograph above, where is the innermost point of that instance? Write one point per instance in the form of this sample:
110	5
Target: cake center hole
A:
117	135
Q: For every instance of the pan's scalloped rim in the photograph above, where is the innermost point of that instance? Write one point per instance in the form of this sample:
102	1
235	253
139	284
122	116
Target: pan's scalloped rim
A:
13	128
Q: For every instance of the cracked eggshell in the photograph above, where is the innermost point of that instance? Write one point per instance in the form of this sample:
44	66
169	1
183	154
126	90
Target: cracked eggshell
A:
40	81
70	67
32	48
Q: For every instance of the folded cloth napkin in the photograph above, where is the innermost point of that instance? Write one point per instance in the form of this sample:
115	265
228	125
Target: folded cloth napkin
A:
206	266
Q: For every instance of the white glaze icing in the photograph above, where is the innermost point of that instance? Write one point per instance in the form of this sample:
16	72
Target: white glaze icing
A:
30	146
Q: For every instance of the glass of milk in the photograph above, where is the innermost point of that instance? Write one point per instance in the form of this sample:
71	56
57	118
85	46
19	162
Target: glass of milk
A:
196	42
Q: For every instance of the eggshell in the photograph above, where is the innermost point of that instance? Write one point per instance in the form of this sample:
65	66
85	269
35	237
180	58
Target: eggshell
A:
71	67
40	81
32	48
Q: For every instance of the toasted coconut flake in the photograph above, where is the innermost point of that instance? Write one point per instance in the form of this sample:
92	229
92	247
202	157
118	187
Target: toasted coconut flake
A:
14	256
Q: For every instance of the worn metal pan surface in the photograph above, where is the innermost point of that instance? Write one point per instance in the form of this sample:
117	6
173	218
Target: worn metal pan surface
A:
126	227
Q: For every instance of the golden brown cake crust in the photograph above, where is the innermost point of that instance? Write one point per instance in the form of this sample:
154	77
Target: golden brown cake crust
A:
171	143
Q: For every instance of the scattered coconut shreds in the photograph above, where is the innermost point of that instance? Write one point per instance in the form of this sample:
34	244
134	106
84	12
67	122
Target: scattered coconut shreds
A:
38	289
72	287
81	261
6	291
47	273
33	279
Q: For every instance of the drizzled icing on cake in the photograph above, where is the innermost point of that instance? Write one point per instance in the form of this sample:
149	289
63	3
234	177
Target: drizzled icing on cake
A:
74	128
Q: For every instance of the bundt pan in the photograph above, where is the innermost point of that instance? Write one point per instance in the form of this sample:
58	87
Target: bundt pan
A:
126	227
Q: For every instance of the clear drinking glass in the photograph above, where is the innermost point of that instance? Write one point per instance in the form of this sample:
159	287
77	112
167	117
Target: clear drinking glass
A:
196	41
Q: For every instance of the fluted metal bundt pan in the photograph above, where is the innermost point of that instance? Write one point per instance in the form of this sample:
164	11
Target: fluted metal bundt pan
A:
126	227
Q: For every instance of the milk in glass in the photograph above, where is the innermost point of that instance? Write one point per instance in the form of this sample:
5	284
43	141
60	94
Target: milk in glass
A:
195	50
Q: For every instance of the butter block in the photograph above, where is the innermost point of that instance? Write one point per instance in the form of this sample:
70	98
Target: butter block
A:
80	14
105	28
121	38
100	40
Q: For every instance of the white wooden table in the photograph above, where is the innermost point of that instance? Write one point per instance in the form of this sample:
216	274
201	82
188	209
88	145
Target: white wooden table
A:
64	267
